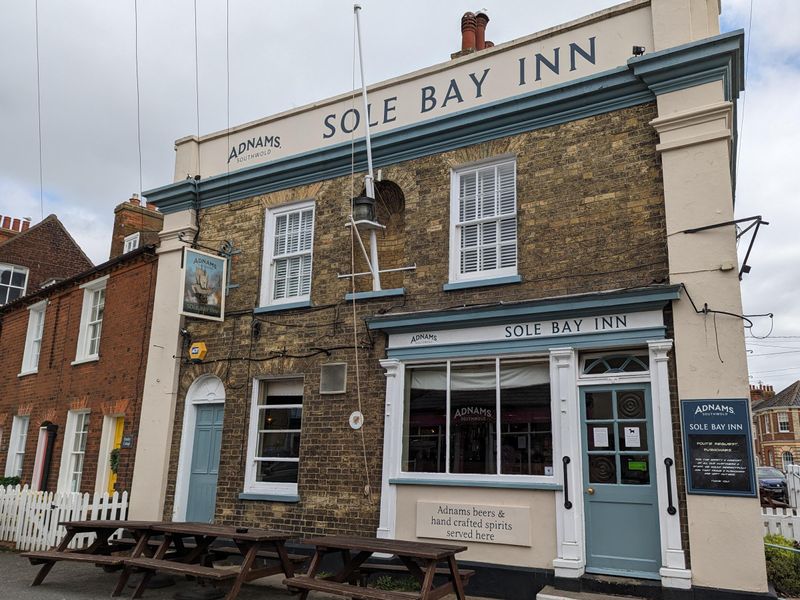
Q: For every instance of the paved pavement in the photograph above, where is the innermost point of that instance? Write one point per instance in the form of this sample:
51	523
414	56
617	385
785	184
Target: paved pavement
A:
74	581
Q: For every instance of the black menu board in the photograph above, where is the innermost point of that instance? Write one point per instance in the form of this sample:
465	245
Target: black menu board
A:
718	447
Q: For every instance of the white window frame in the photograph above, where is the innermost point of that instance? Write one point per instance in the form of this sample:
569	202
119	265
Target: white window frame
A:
251	486
268	266
69	454
16	445
494	478
781	422
13	269
766	423
130	242
33	338
784	462
455	224
82	353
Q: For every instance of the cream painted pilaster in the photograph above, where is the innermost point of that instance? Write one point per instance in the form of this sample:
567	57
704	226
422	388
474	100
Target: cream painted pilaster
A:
571	560
695	131
160	389
392	445
673	570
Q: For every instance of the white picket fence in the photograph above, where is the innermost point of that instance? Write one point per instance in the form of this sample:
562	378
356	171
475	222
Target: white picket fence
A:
793	485
30	518
783	521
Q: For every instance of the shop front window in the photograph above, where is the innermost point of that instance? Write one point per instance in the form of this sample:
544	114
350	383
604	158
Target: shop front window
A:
454	411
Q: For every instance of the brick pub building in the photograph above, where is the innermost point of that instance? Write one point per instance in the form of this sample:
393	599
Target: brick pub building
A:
73	361
522	365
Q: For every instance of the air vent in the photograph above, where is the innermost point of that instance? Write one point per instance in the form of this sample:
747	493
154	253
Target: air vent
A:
333	378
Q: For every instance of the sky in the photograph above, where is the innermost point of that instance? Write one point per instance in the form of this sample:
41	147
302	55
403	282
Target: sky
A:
275	56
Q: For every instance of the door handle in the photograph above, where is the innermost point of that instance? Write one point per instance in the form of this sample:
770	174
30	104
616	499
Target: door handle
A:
590	491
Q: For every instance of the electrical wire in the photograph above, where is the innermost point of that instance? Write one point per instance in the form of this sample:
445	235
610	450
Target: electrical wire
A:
138	103
39	112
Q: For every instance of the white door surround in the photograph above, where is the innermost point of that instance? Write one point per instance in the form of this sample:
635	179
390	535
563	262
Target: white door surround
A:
206	389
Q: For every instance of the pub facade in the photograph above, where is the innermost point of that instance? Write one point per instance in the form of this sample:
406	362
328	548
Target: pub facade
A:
518	375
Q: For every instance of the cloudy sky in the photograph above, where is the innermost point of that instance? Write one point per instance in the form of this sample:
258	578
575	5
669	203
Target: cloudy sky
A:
286	54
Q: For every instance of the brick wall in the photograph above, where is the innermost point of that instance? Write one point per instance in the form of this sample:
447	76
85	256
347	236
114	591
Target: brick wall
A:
591	218
131	217
110	385
47	250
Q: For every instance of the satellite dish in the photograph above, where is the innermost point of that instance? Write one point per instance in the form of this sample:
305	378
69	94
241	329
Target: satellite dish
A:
356	420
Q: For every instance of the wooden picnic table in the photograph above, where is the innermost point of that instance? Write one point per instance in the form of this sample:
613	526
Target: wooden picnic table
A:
98	552
251	543
419	559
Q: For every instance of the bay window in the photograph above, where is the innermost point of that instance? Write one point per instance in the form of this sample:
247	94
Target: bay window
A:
488	417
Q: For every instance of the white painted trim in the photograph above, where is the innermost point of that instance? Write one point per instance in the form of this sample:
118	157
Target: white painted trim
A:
17	422
392	445
64	472
197	394
82	351
28	366
570	560
131	240
251	486
271	213
455	275
673	572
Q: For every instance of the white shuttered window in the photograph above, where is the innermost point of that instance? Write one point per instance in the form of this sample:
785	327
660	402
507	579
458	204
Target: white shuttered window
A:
484	222
288	253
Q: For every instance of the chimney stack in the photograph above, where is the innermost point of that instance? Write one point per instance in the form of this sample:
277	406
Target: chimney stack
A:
11	226
473	34
760	392
481	20
135	216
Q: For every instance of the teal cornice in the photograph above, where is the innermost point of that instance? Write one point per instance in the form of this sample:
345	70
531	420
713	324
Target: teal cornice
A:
638	82
638	299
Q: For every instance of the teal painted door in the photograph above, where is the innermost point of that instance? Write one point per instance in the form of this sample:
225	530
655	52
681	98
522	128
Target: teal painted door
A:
619	482
205	463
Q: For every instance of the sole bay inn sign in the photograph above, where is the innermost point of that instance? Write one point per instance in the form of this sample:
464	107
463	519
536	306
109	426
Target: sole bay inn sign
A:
530	329
518	67
490	524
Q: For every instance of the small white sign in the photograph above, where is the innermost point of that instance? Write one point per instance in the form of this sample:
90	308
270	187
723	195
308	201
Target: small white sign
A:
632	439
600	437
488	524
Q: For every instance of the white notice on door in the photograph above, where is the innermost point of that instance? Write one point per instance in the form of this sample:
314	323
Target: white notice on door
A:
632	439
600	437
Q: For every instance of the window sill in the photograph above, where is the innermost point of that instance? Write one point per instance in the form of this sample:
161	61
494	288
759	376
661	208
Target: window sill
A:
375	294
279	307
473	283
25	373
88	359
269	497
484	483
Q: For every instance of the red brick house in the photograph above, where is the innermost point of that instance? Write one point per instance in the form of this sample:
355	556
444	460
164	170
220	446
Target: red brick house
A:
73	360
32	257
776	424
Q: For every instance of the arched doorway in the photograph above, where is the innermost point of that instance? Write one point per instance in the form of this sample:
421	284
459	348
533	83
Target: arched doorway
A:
201	440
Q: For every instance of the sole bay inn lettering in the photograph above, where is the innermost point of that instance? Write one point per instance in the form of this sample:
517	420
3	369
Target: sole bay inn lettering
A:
535	329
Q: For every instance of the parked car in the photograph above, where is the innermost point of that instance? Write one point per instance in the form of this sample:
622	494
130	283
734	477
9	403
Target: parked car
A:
772	482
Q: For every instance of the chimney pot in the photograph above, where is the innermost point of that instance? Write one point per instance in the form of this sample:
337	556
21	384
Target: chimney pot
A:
6	222
481	20
134	199
16	225
468	31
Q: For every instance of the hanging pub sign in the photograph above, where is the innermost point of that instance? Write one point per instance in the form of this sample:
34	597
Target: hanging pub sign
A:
203	285
718	447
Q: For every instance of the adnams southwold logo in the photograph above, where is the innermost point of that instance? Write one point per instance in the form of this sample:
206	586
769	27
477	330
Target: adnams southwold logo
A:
714	409
255	147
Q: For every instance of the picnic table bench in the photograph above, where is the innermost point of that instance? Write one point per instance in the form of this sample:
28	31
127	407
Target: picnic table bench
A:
419	559
98	552
248	542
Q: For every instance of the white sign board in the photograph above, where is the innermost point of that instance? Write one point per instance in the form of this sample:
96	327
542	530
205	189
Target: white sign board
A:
529	64
488	524
530	329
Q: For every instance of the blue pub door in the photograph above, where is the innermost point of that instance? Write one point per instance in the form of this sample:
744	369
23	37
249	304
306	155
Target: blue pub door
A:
621	500
205	463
